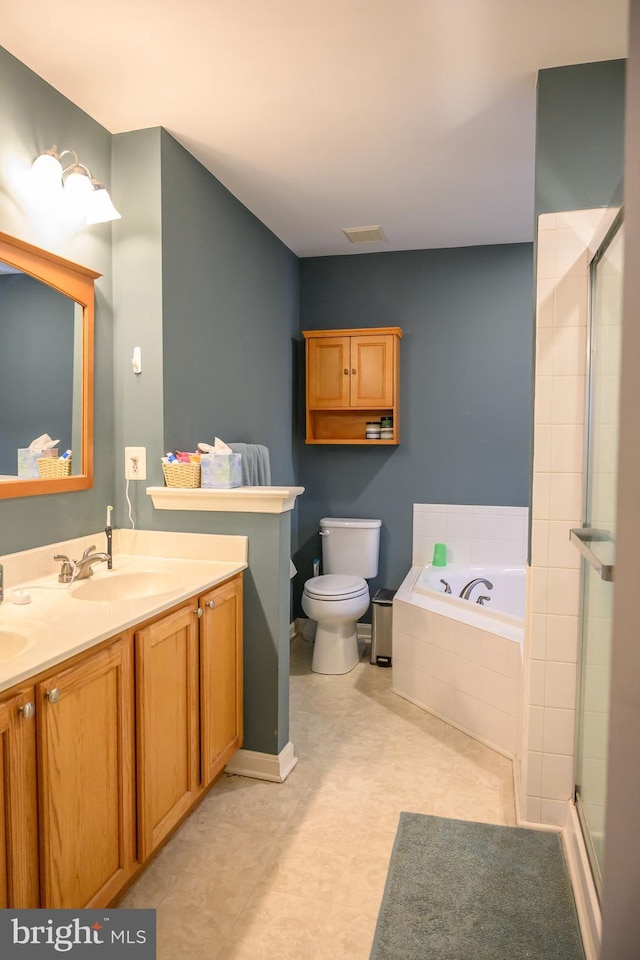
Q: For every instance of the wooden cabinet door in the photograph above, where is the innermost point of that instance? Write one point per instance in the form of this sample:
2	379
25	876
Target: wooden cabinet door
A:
328	372
167	724
372	371
220	676
19	885
86	779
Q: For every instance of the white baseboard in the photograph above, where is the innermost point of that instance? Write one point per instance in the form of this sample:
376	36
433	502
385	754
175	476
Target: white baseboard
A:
263	766
584	891
363	631
292	629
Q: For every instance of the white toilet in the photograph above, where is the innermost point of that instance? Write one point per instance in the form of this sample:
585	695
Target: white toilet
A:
338	598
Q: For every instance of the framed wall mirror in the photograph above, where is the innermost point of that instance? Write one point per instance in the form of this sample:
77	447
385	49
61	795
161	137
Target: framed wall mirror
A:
46	369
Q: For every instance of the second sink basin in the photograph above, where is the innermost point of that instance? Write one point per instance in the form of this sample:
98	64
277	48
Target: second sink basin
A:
14	640
11	644
125	586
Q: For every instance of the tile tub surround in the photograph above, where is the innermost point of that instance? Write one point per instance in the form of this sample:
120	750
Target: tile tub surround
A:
297	870
565	243
468	677
472	534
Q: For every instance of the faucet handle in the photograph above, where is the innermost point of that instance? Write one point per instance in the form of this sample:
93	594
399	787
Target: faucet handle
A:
68	569
89	550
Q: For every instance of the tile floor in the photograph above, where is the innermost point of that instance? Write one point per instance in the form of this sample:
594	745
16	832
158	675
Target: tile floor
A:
297	870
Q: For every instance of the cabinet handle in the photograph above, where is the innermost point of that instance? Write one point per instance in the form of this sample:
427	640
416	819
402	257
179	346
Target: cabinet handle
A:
27	710
346	371
353	370
211	604
198	612
53	695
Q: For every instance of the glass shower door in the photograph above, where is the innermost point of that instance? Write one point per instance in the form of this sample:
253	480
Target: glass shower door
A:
596	542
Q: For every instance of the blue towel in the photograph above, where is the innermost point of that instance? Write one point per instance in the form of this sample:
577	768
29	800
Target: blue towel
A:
256	469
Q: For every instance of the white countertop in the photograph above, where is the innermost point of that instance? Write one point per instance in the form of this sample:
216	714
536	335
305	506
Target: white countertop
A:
60	625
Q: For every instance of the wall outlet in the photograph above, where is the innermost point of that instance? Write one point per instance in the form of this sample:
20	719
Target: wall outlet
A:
135	463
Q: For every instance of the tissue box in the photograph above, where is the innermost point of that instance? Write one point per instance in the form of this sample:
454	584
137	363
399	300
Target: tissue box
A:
221	470
28	461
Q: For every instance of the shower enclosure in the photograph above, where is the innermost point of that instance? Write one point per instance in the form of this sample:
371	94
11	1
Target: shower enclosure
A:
596	542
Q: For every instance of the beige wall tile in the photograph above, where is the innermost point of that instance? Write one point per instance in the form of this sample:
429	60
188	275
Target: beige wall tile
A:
567	448
563	596
560	685
570	302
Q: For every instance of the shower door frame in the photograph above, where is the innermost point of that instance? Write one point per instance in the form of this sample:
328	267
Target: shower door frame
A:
586	564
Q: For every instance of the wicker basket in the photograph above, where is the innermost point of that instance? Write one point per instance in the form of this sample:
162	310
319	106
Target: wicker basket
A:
181	474
51	468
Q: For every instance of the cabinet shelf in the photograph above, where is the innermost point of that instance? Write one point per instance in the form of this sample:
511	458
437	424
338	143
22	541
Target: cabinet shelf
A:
352	378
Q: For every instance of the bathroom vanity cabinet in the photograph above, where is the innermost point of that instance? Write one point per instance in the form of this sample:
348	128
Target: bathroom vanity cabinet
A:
68	777
102	756
352	378
188	706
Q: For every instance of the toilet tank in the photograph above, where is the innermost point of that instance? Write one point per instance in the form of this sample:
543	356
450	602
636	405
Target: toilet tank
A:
350	546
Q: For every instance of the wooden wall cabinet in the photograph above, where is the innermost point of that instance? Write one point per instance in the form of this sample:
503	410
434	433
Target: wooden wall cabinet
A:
352	377
158	709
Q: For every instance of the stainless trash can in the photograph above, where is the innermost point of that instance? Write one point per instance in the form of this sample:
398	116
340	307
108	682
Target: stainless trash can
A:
381	627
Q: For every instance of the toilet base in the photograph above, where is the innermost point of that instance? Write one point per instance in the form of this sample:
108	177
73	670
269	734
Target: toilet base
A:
335	649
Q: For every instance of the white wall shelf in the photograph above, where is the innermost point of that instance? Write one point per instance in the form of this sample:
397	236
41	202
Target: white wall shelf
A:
235	500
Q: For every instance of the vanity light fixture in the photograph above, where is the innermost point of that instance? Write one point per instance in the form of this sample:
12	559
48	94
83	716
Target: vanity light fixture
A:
80	187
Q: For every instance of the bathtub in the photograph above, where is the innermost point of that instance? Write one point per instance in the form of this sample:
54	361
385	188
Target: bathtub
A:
503	609
459	659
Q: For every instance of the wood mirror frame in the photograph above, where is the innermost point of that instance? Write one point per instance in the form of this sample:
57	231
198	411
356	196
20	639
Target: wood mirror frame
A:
77	283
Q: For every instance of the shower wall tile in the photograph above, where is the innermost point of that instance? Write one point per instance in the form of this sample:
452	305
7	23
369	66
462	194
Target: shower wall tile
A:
565	243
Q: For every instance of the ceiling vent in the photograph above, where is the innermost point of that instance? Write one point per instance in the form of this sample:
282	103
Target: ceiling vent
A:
364	234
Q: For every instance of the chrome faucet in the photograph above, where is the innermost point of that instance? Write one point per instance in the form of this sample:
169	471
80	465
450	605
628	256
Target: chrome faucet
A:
464	593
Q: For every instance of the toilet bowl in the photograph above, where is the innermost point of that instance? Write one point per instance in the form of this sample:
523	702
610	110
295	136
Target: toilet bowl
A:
336	603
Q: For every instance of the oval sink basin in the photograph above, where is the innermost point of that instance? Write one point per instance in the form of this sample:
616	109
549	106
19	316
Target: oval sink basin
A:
11	644
126	586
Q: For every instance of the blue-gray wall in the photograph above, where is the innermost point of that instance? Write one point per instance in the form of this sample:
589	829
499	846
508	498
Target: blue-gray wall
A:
36	365
211	297
230	317
33	116
465	389
580	136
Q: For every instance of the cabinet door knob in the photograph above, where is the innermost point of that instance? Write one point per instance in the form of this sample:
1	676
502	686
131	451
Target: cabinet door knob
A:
27	710
198	612
53	695
353	370
211	604
346	371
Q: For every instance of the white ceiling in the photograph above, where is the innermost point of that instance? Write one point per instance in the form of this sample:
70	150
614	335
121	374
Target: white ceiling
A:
418	115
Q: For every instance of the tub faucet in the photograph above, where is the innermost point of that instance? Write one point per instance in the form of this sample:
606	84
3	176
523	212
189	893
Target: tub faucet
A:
464	593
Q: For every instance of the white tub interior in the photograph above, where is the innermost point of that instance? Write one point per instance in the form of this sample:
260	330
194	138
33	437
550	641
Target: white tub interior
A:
505	596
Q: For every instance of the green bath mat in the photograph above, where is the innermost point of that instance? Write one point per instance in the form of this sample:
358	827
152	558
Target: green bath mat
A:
475	891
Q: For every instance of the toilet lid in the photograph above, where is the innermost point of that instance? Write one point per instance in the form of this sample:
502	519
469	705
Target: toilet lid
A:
333	586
